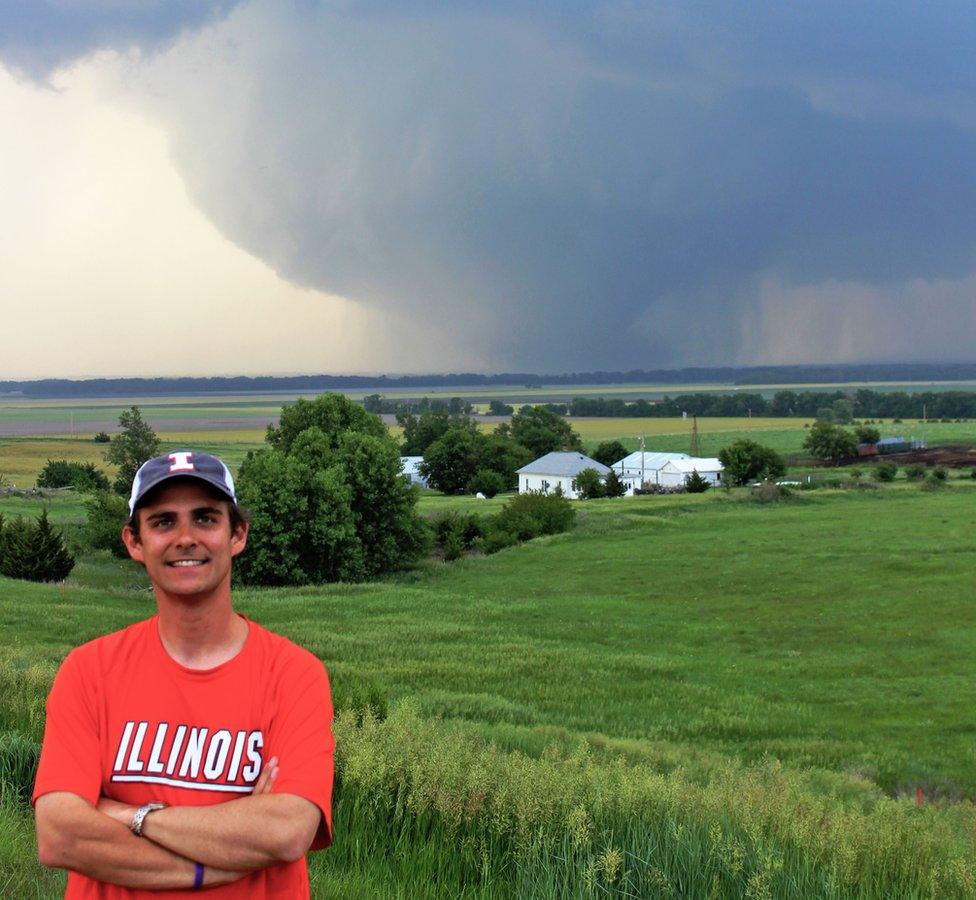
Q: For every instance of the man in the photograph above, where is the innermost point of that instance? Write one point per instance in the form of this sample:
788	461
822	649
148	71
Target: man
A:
194	749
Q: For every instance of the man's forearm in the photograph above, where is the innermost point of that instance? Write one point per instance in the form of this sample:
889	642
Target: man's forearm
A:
244	834
71	834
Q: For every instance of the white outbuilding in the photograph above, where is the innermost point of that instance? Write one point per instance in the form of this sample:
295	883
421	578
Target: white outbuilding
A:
408	465
675	472
644	467
557	469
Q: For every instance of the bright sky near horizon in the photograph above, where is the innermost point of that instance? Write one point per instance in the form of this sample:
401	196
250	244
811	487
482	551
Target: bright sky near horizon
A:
198	187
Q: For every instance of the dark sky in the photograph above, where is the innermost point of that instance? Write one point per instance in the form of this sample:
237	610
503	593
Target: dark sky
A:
578	186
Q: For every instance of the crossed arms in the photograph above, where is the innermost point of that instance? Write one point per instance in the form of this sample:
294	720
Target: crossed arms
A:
230	839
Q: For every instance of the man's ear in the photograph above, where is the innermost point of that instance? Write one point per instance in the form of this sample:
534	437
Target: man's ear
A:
238	539
132	543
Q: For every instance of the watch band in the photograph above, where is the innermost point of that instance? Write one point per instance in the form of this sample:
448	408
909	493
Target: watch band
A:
141	814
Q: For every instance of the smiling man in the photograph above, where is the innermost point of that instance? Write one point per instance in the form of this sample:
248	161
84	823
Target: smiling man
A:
194	749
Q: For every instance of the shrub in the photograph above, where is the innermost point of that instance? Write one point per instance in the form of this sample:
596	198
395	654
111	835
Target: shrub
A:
972	474
855	473
59	473
102	438
867	435
487	482
885	471
533	514
33	550
769	492
916	472
497	538
455	532
589	485
695	484
106	514
940	473
830	442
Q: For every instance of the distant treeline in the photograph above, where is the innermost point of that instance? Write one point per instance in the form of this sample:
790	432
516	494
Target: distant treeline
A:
804	404
809	374
456	406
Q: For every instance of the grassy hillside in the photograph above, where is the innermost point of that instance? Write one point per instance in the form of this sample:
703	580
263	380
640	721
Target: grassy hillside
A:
685	695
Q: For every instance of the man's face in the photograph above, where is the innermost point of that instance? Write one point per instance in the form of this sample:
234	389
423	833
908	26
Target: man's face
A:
185	540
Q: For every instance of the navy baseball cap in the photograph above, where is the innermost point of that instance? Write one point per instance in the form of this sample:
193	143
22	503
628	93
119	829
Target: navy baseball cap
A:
181	464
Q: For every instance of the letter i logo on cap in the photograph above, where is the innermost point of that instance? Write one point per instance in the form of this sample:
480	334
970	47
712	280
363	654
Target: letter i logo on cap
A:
181	462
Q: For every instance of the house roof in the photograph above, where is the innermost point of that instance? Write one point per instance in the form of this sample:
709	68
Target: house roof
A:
697	464
562	463
652	461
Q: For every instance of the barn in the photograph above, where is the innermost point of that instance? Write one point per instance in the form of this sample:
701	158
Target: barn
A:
674	473
643	467
556	469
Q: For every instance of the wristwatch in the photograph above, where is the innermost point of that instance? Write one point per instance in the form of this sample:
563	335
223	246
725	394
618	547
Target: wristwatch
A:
141	814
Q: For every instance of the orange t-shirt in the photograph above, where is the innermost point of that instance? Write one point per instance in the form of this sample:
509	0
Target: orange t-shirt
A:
126	721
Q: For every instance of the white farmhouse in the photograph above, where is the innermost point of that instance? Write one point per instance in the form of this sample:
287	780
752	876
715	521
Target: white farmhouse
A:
556	469
643	467
676	472
408	465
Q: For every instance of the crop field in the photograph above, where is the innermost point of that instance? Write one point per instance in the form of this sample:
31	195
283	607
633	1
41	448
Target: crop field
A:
685	696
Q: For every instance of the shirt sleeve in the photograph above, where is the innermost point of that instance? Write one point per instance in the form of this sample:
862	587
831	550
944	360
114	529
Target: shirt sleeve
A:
301	738
70	751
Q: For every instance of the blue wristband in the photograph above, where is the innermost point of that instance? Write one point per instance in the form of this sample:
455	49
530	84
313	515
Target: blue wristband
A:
198	876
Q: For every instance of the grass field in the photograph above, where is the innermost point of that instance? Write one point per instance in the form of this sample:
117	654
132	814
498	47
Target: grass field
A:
685	696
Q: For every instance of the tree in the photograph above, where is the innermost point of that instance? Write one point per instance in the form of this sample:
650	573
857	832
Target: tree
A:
830	442
866	434
333	507
745	461
501	453
613	486
843	411
609	452
825	414
487	482
419	432
589	485
541	430
499	408
450	462
60	473
332	414
33	550
695	484
129	449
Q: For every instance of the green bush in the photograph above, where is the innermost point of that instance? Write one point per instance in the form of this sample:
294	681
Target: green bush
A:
695	484
745	461
487	482
60	473
33	550
885	471
497	538
589	485
940	473
102	438
532	514
106	514
916	472
455	532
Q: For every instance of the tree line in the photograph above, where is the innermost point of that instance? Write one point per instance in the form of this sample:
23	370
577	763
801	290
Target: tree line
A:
863	403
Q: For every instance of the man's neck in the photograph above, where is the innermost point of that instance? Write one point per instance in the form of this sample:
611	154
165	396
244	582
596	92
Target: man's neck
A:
200	635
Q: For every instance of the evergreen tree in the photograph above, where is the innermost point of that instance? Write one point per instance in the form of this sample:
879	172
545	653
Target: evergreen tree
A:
613	486
34	551
695	484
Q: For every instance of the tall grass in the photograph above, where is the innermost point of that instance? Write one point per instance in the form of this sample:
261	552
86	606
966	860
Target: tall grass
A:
577	825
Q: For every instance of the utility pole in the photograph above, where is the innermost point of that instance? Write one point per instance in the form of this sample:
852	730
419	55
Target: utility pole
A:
695	445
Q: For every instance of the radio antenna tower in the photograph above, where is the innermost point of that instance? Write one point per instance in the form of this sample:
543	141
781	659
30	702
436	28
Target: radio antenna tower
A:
695	445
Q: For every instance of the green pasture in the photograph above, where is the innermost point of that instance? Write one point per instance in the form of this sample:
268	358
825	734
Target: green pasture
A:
685	696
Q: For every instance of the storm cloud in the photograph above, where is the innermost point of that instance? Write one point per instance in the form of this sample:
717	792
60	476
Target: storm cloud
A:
622	185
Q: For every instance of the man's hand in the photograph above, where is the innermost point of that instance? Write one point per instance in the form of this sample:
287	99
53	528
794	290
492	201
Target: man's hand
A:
72	834
252	832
